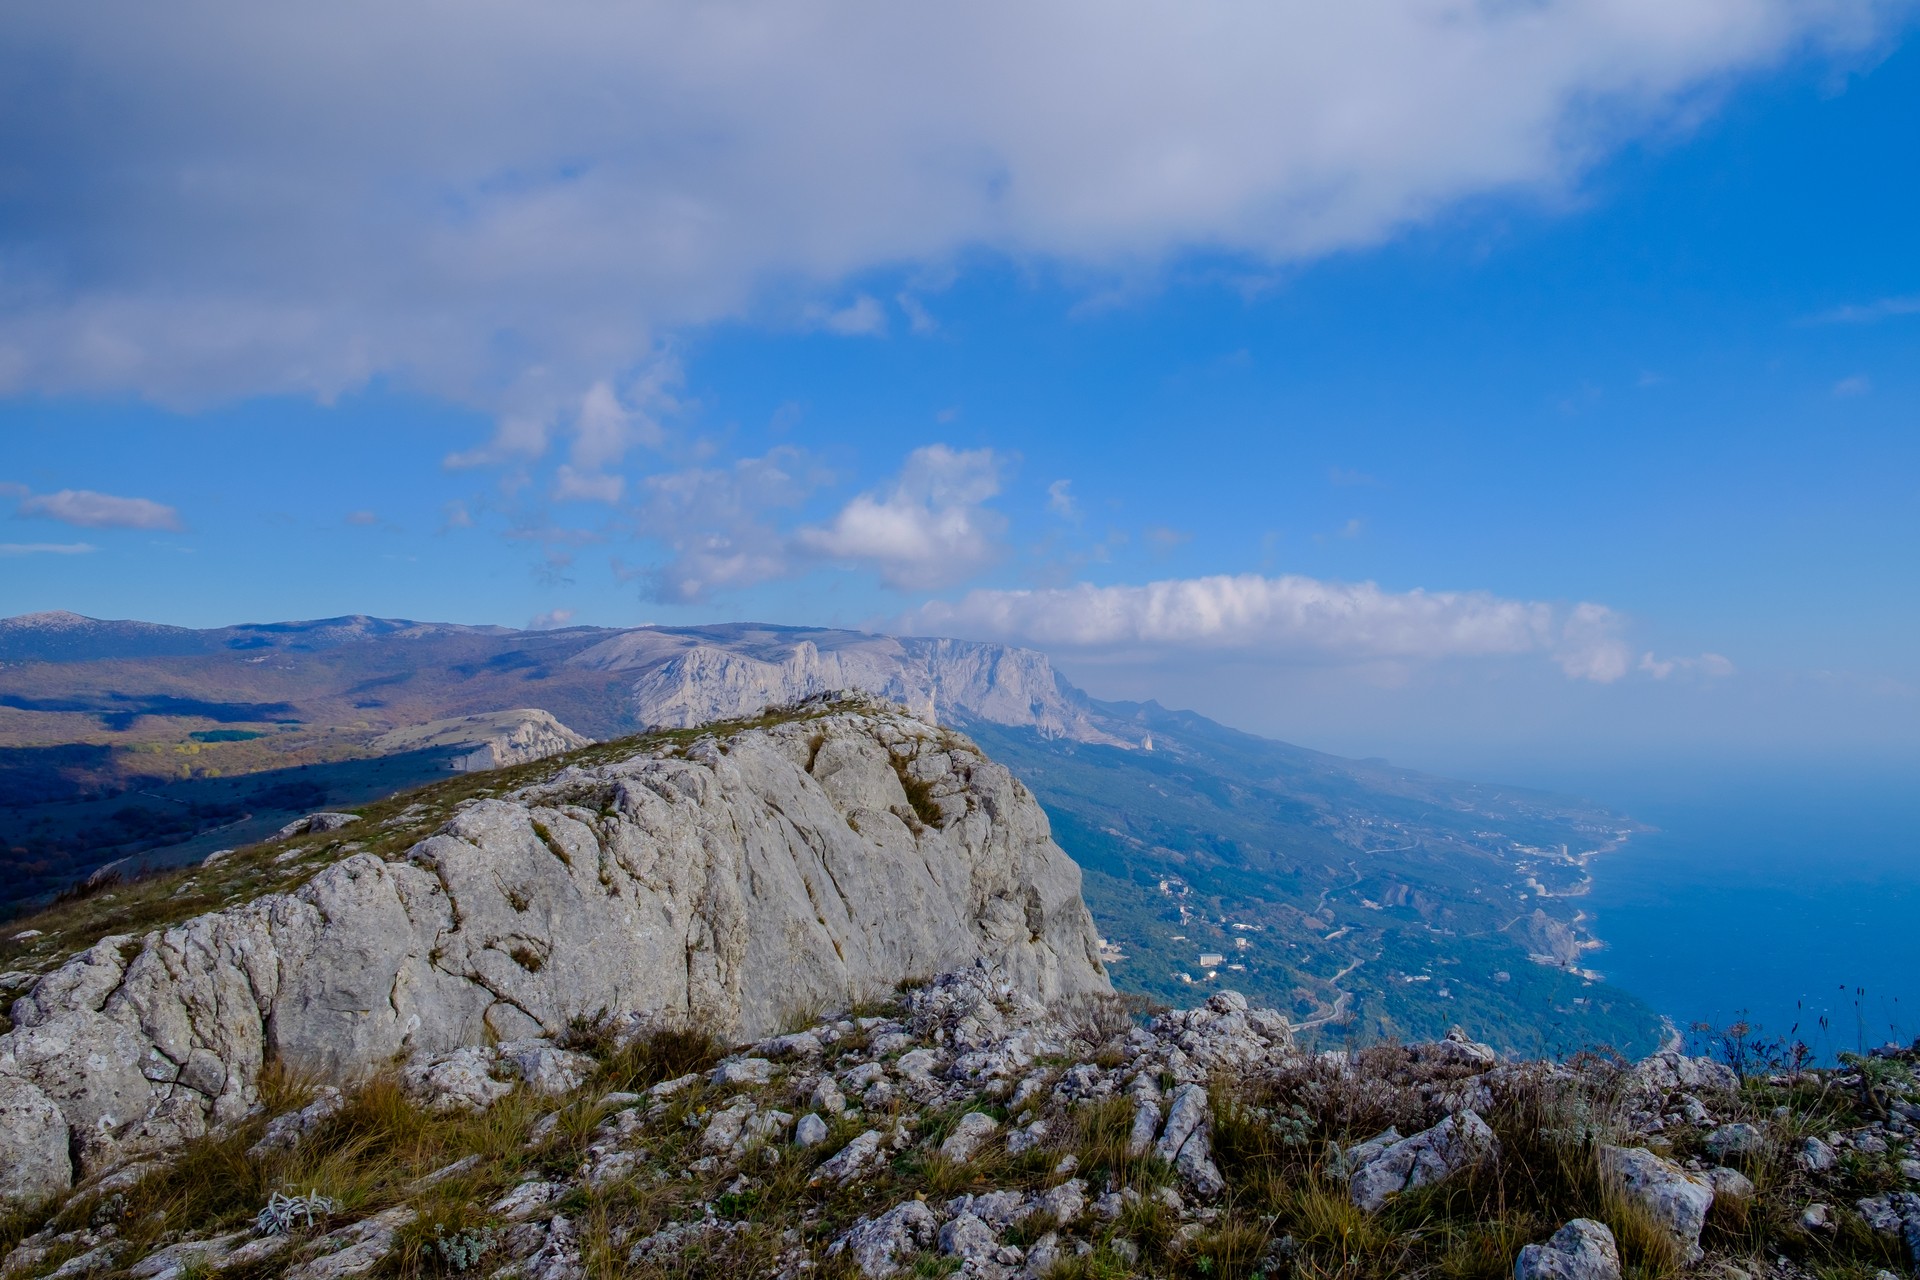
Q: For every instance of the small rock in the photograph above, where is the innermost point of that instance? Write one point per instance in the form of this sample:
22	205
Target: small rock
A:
1815	1156
1581	1250
827	1096
1065	1203
1456	1143
667	1088
810	1132
1186	1141
877	1245
1734	1140
461	1080
968	1238
968	1136
852	1160
1124	1249
1817	1218
527	1199
547	1070
743	1071
1730	1184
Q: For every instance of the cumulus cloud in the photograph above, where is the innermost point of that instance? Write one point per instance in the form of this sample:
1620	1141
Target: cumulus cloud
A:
92	510
512	209
928	530
550	620
1290	617
716	524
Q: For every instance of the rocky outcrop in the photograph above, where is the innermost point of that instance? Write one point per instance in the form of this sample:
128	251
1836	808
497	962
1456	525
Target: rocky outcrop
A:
809	864
685	678
1581	1250
491	741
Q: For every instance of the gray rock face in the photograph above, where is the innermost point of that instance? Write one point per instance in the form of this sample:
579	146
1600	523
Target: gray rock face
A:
1581	1250
732	881
680	682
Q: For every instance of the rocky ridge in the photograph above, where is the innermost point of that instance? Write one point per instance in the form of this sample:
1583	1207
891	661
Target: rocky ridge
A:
811	862
965	1127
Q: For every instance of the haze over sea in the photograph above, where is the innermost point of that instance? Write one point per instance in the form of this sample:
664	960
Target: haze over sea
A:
1784	895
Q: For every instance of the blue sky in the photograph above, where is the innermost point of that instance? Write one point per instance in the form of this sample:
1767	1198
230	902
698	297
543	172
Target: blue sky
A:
1586	425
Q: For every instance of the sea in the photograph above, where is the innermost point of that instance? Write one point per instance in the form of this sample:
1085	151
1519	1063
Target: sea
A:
1786	898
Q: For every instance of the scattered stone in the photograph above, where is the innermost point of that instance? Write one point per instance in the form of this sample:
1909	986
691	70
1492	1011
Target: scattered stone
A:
1815	1156
1816	1218
968	1136
1730	1185
527	1199
827	1096
1735	1140
461	1080
879	1245
810	1132
1581	1250
547	1070
740	1072
852	1160
1456	1143
284	1132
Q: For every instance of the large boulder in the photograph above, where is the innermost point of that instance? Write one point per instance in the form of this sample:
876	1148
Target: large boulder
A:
807	864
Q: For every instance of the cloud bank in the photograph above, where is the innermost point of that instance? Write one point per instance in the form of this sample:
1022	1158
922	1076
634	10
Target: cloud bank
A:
509	204
1291	617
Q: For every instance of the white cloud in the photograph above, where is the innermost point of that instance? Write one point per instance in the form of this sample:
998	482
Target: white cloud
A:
363	518
928	530
92	510
46	548
1290	618
864	317
514	209
715	523
919	319
550	620
1871	312
1060	500
1711	666
1857	385
592	486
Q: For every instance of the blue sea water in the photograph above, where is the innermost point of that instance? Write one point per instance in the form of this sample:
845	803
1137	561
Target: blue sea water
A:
1790	898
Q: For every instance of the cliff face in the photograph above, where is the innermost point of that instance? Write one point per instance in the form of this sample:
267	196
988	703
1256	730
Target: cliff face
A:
804	865
493	740
685	678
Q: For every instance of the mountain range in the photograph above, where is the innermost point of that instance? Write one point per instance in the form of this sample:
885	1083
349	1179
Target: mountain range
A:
1363	900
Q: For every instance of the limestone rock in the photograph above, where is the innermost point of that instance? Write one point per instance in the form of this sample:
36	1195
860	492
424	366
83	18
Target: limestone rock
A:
968	1136
878	1245
1734	1140
1186	1142
1454	1144
1581	1250
729	882
37	1163
1678	1199
491	740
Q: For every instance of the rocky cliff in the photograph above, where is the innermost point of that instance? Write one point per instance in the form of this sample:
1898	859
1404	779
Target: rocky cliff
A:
696	676
806	864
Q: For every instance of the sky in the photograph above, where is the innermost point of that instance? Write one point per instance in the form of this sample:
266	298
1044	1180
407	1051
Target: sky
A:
1496	387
